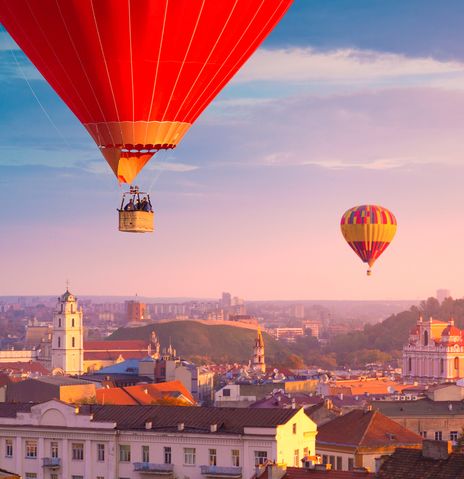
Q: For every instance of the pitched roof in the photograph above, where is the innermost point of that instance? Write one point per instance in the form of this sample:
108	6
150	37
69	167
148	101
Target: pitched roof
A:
195	419
410	464
144	394
23	367
360	428
303	473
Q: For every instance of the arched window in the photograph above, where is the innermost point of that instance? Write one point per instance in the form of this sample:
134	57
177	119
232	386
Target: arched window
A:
426	338
442	365
410	364
73	342
72	322
456	364
59	342
59	322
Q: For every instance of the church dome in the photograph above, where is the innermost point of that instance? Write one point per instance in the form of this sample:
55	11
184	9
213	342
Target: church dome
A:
67	297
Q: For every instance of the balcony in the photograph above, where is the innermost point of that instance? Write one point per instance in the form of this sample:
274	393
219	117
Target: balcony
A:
165	470
226	472
51	462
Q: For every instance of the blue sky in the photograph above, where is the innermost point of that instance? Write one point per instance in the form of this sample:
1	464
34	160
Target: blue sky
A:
347	102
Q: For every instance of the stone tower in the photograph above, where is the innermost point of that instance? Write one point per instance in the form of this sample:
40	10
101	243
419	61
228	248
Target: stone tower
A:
67	337
258	363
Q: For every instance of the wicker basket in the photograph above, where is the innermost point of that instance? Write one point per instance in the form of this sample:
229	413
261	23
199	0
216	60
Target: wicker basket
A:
136	221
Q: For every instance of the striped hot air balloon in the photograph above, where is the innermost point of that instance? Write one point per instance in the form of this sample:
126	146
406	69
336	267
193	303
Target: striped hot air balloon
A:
138	73
368	229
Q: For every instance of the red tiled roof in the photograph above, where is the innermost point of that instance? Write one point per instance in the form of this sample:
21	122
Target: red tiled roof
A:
360	428
143	394
20	367
410	464
113	355
129	345
302	473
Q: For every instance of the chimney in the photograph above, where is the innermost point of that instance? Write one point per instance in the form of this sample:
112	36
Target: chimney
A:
436	449
213	428
148	424
276	471
180	426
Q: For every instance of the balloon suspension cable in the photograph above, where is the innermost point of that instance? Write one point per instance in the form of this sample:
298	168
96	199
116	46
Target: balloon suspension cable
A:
156	175
44	111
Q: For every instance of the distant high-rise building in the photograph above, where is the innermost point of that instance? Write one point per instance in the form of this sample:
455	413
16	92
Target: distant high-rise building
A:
135	311
258	364
299	311
67	338
442	294
226	300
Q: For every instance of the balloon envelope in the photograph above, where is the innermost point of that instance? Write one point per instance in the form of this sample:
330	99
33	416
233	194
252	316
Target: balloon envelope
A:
368	229
138	73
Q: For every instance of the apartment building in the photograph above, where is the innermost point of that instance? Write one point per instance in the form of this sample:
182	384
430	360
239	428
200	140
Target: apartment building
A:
54	440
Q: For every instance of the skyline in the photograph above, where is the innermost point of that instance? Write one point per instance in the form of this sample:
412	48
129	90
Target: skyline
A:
341	106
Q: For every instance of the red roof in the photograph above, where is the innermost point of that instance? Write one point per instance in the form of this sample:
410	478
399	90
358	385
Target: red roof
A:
360	428
24	368
303	473
113	355
129	345
451	331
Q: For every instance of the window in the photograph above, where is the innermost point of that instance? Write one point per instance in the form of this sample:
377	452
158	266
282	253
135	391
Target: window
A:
73	342
424	434
100	452
31	449
294	428
212	457
332	461
77	451
59	342
77	477
8	447
124	453
453	436
426	338
438	436
98	477
72	323
442	365
226	393
59	322
339	463
167	455
31	475
54	449
189	456
410	364
235	458
260	457
350	463
55	476
325	459
296	457
145	454
456	363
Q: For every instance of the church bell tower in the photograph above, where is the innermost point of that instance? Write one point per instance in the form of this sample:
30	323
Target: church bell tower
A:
258	363
67	337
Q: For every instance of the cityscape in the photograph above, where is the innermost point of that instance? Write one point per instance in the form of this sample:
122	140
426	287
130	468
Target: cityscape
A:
230	239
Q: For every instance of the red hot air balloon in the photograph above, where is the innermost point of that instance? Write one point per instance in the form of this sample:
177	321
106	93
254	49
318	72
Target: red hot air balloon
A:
138	73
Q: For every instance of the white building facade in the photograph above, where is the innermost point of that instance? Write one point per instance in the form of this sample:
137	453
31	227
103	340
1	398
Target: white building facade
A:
67	354
54	440
434	353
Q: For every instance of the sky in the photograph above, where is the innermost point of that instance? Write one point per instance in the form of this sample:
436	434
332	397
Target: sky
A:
345	103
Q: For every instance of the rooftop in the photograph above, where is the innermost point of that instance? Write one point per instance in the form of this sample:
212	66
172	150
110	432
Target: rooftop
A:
360	428
411	464
303	473
420	407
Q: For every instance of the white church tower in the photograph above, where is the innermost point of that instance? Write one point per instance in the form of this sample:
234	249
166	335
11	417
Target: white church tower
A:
258	364
67	337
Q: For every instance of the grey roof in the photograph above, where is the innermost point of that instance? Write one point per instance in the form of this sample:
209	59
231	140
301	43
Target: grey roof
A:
61	380
195	419
421	407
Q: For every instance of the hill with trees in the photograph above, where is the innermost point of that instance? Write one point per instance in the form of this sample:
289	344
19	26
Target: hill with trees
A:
201	342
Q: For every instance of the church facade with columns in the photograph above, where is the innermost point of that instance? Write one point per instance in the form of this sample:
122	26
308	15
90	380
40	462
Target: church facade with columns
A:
434	353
